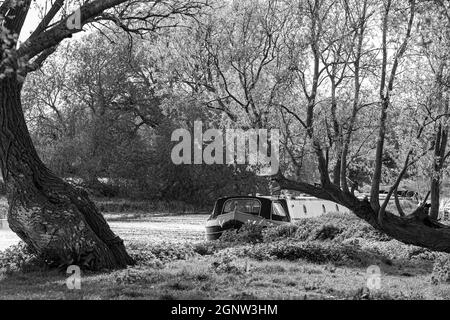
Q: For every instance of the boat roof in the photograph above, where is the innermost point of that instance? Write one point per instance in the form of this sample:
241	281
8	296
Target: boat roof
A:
271	198
264	198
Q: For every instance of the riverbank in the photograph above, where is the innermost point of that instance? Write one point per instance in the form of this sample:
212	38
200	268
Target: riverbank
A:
319	259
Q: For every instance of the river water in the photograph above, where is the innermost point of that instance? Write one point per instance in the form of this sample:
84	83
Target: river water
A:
148	229
7	237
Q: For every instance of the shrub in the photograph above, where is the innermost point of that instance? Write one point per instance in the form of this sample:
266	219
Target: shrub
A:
208	248
441	270
20	258
172	251
308	229
280	232
328	232
145	258
334	226
394	249
248	233
163	252
311	251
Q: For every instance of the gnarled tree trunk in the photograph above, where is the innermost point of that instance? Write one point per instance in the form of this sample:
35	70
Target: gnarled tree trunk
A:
54	218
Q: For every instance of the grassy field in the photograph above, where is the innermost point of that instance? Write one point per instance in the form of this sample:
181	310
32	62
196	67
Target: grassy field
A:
196	279
320	259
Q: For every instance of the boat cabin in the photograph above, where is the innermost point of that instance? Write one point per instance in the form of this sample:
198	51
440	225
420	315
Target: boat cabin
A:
233	212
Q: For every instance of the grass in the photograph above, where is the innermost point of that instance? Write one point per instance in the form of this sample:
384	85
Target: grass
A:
318	259
196	278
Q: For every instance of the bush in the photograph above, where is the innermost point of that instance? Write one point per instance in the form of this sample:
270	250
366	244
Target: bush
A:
395	249
208	248
335	226
441	270
311	251
20	258
280	232
328	232
248	233
145	258
161	252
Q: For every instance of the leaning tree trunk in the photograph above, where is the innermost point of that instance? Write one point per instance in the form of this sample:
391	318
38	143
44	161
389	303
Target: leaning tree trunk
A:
416	228
55	219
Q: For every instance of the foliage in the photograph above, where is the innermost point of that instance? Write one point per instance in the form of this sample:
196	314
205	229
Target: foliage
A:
441	270
124	141
333	226
311	251
162	252
250	232
108	107
20	258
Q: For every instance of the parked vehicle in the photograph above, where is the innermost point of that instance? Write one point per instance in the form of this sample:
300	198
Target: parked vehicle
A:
233	212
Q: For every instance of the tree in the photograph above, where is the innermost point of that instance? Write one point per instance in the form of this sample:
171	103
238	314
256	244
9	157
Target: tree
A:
349	72
56	220
416	228
434	42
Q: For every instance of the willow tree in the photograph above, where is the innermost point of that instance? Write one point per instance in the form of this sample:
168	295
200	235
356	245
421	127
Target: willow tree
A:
57	220
395	22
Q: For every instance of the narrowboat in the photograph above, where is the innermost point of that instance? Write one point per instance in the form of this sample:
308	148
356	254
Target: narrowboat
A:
234	212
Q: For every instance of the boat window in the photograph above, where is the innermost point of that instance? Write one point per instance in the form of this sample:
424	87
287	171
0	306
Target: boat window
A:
249	206
278	213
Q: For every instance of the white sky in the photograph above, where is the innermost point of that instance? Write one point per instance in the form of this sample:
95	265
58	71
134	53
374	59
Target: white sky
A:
31	23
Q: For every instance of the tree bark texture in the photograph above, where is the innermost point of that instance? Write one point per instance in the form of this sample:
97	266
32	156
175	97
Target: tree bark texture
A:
55	219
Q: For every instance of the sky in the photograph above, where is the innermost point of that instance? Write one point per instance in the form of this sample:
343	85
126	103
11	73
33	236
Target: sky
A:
31	23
